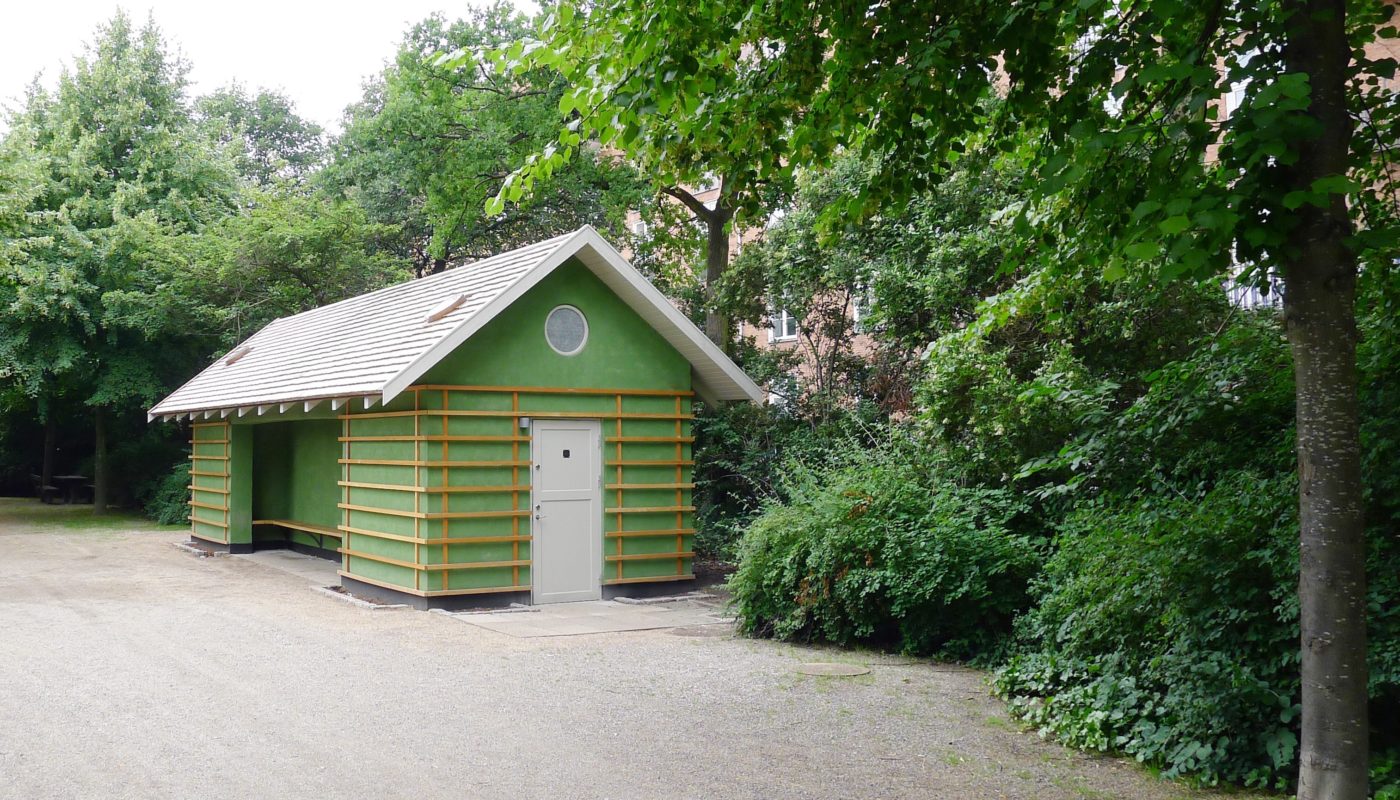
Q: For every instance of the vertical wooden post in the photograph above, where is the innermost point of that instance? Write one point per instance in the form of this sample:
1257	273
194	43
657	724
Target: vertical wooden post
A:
345	478
445	479
228	481
619	538
680	515
418	480
515	494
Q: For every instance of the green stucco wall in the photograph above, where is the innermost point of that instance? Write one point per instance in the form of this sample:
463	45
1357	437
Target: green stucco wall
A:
623	352
294	474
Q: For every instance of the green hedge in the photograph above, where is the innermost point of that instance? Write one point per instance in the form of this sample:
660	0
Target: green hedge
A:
877	551
168	501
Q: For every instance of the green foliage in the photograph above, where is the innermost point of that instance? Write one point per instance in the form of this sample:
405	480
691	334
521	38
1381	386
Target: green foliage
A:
1164	628
168	500
286	252
1166	621
120	182
428	145
271	141
874	548
736	449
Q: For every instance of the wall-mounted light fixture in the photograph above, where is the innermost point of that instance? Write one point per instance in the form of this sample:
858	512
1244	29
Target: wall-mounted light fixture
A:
524	422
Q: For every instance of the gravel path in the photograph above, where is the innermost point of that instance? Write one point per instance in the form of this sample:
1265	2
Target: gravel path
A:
129	669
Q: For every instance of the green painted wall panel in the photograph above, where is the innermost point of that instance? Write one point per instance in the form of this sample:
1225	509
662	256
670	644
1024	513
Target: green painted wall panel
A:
622	352
240	515
295	471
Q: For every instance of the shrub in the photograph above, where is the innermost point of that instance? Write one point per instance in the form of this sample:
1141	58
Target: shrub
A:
1168	629
736	448
168	501
878	551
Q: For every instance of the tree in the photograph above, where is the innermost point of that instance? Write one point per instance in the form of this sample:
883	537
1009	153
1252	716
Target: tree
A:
679	138
119	181
271	140
427	146
288	251
1116	110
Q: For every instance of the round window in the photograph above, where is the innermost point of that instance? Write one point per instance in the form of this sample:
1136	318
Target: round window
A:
566	330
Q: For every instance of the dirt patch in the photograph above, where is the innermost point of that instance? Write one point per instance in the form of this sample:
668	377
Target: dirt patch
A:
129	664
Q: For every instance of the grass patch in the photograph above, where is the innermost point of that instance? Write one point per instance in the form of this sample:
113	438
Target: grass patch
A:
21	513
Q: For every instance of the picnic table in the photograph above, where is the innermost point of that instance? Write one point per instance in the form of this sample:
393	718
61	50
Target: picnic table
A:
70	485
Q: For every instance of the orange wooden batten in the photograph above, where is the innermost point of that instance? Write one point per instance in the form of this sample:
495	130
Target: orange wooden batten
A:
441	459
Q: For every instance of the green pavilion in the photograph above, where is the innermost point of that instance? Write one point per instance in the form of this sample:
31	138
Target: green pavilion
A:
513	430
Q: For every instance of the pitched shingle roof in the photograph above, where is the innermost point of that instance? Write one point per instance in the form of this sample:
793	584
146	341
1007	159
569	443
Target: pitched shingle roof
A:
377	344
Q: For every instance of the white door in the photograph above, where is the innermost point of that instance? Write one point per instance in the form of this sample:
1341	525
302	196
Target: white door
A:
567	549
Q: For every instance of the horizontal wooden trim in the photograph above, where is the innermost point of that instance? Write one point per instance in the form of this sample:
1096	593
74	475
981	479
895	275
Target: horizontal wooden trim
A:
432	592
665	439
518	463
392	487
656	579
381	559
431	438
385	584
525	562
209	441
645	534
648	509
483	590
194	488
651	556
209	538
474	514
477	540
299	526
626	486
208	522
381	462
398	537
685	462
207	474
210	506
472	412
475	489
208	424
396	487
196	457
556	390
392	512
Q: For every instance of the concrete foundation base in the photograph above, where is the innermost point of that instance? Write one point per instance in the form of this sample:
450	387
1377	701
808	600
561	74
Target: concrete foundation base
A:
463	602
459	602
658	589
216	547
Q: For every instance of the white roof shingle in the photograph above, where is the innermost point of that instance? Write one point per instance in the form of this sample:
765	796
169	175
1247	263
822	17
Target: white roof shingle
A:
377	344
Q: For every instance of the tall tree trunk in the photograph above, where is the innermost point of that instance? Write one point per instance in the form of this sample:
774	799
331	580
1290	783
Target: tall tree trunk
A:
716	222
99	461
50	446
717	326
1319	309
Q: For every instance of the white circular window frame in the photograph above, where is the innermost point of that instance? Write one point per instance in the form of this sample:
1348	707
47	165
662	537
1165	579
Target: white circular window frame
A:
582	343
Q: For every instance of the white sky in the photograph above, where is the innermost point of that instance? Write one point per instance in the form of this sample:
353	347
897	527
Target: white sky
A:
318	52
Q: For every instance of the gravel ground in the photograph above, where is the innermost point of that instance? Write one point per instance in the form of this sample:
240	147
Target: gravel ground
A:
129	669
